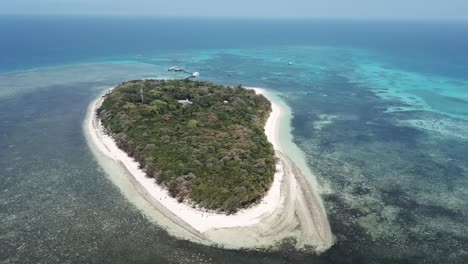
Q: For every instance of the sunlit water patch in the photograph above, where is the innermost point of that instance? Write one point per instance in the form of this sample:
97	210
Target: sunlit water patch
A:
417	91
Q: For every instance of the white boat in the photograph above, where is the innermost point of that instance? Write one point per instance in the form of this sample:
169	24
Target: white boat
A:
175	68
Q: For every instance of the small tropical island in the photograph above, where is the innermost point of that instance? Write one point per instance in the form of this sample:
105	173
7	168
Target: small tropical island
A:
211	161
203	142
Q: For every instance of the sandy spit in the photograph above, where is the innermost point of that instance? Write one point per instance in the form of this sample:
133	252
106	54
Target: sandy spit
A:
292	207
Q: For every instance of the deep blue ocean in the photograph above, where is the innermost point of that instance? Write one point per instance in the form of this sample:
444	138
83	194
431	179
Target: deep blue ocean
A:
380	110
37	41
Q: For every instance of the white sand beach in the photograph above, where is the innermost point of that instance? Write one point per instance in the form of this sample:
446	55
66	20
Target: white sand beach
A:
291	209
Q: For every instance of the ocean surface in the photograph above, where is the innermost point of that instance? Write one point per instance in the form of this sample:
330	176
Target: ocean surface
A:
380	111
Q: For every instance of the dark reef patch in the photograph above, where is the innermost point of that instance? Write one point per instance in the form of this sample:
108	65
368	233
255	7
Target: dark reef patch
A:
397	191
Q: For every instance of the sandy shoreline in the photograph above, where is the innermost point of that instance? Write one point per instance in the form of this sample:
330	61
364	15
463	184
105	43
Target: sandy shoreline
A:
290	203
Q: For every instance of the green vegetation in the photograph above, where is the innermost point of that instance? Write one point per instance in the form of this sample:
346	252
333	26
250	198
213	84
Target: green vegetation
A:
212	152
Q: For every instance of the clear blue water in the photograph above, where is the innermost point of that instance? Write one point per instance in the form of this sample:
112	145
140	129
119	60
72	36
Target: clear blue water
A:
380	110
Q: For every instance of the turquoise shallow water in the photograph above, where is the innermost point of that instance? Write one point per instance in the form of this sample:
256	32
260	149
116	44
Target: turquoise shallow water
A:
385	134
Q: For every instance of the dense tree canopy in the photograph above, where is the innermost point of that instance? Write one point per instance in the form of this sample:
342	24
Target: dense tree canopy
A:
210	150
